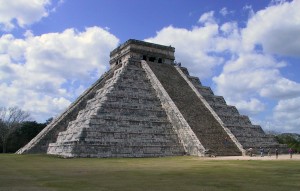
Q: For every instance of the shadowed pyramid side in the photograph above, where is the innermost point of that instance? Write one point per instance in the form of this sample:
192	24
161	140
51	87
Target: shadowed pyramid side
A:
248	135
207	128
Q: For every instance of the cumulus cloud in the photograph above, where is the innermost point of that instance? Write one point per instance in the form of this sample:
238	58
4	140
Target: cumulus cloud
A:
256	73
248	75
22	12
193	47
207	18
43	74
287	115
250	71
224	11
282	88
276	29
252	106
249	9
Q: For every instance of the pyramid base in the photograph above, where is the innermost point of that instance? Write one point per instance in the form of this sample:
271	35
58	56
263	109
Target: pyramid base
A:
100	150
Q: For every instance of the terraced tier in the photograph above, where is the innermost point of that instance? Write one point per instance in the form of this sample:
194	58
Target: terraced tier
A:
249	136
253	136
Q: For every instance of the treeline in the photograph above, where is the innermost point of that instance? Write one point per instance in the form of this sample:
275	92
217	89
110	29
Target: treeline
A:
292	140
22	135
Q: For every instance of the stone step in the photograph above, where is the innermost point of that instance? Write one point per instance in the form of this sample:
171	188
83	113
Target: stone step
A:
194	80
125	132
257	144
129	128
235	120
225	109
137	139
184	70
122	126
133	87
134	68
80	122
125	111
252	136
250	129
126	120
129	83
99	150
132	114
126	87
204	90
141	128
124	105
213	99
96	100
129	98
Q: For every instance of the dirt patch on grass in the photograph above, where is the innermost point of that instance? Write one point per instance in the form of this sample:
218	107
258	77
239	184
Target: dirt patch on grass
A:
257	157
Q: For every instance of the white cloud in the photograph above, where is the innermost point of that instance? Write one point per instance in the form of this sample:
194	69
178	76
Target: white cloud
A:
224	12
193	46
287	115
252	106
207	18
43	74
229	39
249	75
282	88
249	9
276	28
22	12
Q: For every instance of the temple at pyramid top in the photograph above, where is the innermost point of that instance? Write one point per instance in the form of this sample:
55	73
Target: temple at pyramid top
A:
148	106
142	50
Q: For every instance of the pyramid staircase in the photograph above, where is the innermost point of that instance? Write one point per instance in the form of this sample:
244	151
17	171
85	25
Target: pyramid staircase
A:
206	127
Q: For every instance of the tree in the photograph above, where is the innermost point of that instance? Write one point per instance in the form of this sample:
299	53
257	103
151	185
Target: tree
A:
19	138
292	140
10	119
48	121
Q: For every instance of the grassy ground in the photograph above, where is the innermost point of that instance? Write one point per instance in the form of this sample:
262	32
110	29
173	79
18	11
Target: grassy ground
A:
41	172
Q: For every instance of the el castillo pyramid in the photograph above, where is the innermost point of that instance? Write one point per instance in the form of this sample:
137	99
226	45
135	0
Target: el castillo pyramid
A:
148	106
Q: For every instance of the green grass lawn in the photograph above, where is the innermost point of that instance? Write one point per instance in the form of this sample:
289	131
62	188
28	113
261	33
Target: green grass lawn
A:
41	172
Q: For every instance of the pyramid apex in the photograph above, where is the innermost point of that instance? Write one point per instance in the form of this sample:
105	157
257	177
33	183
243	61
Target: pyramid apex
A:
142	50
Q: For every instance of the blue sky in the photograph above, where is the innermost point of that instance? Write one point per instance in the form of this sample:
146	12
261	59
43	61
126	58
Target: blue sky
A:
247	51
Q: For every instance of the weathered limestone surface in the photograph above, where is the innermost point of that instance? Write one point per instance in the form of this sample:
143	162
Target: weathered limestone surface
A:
208	130
187	137
39	144
124	119
212	112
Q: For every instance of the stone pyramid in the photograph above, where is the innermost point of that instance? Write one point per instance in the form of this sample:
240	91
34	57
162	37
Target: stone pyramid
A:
147	106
